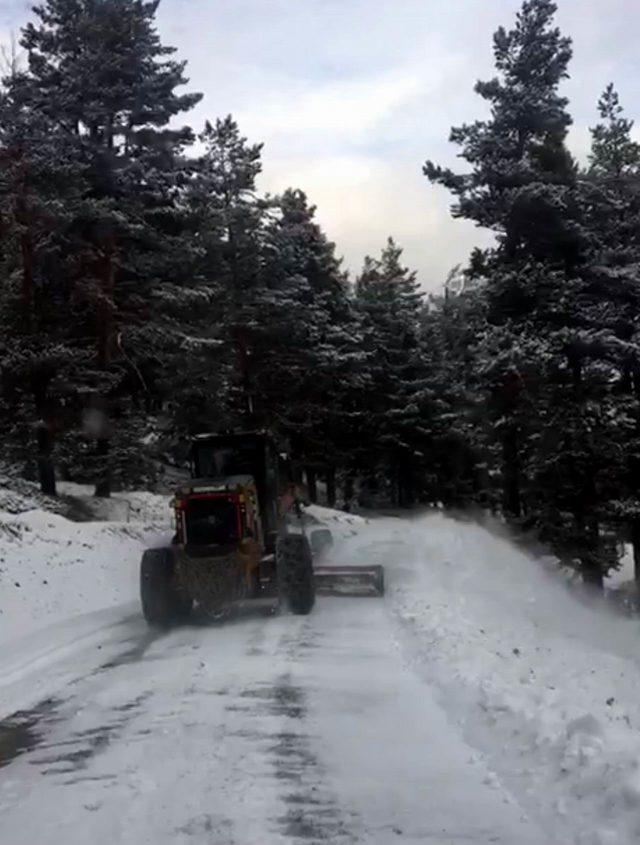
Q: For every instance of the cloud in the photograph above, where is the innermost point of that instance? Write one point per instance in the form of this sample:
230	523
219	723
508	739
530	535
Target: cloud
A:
351	96
346	110
367	199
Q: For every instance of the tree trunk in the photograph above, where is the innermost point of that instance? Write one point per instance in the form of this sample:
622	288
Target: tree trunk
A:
23	219
592	576
331	487
44	431
106	345
103	484
46	470
106	303
296	472
635	542
312	485
589	529
395	486
349	489
405	485
511	472
26	248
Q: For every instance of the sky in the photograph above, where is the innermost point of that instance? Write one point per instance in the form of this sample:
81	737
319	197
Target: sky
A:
350	97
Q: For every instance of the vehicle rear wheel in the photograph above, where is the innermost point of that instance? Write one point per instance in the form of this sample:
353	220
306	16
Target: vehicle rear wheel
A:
295	574
162	604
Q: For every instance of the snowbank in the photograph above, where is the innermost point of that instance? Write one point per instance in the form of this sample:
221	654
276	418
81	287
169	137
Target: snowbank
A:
18	495
52	569
125	506
545	687
342	525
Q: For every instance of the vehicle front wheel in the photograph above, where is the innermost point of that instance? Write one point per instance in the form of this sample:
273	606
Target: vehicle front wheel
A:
295	574
162	604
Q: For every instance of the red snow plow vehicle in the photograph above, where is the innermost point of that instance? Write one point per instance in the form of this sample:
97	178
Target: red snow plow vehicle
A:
242	534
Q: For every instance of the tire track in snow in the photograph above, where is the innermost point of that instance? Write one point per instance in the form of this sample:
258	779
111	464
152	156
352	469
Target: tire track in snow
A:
310	812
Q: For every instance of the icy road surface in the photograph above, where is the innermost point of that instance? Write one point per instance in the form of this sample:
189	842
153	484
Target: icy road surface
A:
478	702
263	730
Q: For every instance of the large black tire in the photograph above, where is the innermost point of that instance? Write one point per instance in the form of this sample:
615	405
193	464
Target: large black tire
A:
162	604
295	574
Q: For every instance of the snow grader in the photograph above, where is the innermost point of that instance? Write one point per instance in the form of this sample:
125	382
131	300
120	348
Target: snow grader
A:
242	535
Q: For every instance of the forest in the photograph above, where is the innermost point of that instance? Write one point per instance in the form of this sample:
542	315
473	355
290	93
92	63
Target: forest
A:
150	291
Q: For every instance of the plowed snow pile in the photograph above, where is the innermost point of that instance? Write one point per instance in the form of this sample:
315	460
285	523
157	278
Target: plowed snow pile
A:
52	569
546	688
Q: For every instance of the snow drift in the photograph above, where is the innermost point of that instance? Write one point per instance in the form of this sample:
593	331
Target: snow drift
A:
53	569
545	687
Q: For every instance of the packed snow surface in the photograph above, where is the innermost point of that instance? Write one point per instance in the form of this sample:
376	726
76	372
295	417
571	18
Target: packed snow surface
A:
479	701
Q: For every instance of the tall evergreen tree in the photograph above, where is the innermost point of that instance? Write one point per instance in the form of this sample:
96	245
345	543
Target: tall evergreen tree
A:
98	74
390	302
460	458
614	153
42	181
519	187
524	186
520	167
305	340
231	235
614	302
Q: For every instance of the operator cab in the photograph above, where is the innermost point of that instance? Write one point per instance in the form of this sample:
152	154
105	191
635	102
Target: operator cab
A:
221	457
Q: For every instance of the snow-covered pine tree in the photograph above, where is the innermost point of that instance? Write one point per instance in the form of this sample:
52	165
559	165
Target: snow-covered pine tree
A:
612	300
521	171
458	464
231	232
42	182
524	186
398	408
305	341
614	154
518	183
106	85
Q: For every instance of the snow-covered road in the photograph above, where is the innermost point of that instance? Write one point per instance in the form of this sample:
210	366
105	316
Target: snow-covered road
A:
478	702
261	730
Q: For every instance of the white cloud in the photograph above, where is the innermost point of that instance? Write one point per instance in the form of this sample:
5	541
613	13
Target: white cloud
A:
363	200
347	109
350	97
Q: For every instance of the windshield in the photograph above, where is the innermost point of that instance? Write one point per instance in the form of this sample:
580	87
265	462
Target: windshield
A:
221	461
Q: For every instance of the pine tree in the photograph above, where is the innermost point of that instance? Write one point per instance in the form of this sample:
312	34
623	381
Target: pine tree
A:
521	170
99	76
42	180
538	358
614	303
459	462
305	341
614	154
232	218
519	187
390	302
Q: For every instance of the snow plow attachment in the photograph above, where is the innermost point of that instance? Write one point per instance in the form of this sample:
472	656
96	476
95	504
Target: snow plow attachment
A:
365	581
334	580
